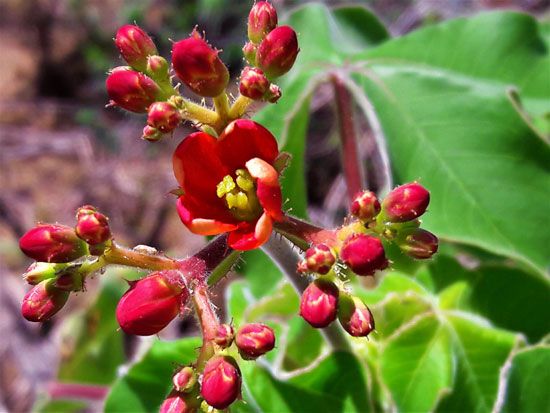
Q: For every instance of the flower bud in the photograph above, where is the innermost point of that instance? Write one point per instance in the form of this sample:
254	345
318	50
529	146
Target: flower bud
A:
249	52
163	116
221	382
254	84
178	403
52	243
151	303
151	134
406	202
419	244
261	20
278	51
43	301
319	259
199	66
224	335
319	303
363	254
355	316
184	380
273	94
40	271
365	206
131	90
92	226
254	340
158	68
135	46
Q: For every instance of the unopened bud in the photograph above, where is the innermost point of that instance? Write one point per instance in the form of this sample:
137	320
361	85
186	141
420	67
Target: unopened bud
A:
151	303
151	134
319	303
43	301
163	116
40	271
249	52
406	202
221	382
261	20
70	280
419	244
184	380
363	254
177	402
278	51
224	335
365	206
52	243
131	90
355	316
273	94
254	340
158	68
254	84
319	258
135	46
199	66
92	226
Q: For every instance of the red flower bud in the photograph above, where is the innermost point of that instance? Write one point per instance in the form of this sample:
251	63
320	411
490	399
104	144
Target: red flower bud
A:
420	244
319	303
254	340
151	134
40	271
221	382
135	46
406	202
52	243
355	316
319	259
163	116
224	335
249	52
199	66
184	380
365	206
278	51
43	301
131	90
178	403
92	226
273	94
363	254
261	20
254	84
158	68
151	303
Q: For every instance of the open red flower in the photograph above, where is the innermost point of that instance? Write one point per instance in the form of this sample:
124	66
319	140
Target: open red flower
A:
229	184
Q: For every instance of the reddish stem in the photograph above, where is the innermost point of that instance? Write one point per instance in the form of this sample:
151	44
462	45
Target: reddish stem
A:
208	321
57	390
303	234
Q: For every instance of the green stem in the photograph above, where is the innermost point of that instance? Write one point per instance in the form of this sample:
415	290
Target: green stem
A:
223	268
239	107
221	104
116	254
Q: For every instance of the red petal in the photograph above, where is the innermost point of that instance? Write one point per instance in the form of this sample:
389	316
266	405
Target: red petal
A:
250	235
243	140
267	187
210	221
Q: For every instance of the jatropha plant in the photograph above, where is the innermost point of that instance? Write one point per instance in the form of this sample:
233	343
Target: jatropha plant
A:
228	173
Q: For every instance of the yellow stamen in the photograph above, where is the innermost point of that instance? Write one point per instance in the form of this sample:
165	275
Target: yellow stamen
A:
240	197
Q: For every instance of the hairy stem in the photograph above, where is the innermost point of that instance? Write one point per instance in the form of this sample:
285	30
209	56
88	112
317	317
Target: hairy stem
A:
195	112
221	104
239	107
208	322
116	254
303	234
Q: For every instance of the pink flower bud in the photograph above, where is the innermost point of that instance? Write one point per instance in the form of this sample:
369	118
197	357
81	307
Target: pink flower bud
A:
363	254
184	380
135	46
355	316
178	403
254	340
163	116
151	134
261	20
406	202
365	206
43	301
319	303
52	243
224	335
319	259
249	52
92	226
131	90
254	84
151	303
199	66
158	68
221	382
420	244
278	51
40	271
273	94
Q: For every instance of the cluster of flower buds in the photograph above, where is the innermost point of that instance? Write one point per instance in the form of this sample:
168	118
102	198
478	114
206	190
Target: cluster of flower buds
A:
219	384
60	268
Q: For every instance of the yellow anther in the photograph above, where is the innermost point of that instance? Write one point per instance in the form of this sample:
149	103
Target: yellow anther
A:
242	201
226	185
240	197
244	180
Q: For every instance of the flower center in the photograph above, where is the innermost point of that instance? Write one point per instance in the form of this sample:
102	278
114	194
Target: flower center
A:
240	195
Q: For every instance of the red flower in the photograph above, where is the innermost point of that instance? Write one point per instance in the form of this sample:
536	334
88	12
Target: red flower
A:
229	184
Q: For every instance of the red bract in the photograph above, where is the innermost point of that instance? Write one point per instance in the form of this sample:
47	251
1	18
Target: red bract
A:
131	90
163	116
365	206
43	301
261	20
254	84
178	403
151	303
135	46
319	258
92	226
221	381
224	335
420	244
52	243
229	183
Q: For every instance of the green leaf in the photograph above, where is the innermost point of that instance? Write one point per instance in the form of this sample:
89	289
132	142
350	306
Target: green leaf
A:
303	344
526	389
262	274
147	382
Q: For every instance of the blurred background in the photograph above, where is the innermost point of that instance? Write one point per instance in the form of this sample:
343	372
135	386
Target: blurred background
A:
61	148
